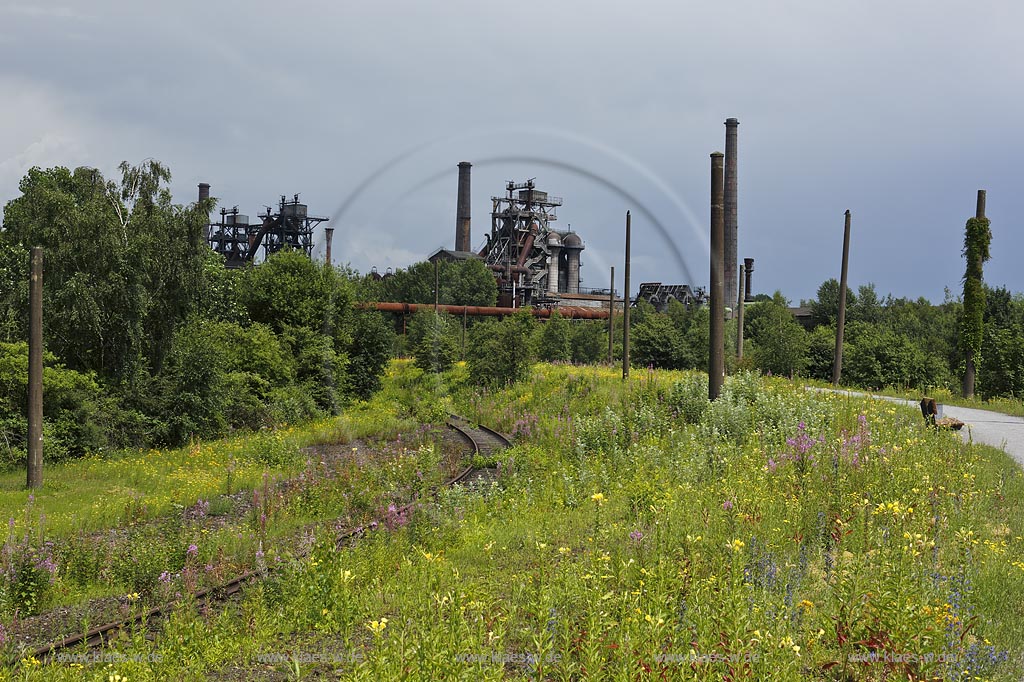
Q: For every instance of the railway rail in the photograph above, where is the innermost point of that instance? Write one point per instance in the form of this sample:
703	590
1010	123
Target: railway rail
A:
480	440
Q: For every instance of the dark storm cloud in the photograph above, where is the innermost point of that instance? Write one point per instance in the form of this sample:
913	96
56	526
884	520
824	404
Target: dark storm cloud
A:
897	111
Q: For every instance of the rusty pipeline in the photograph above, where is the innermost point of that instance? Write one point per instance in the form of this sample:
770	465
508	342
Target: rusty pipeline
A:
571	312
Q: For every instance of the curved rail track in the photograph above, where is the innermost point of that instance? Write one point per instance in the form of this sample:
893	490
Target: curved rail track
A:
480	440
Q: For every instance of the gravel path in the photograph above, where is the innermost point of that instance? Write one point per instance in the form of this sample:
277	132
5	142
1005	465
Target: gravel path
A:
990	428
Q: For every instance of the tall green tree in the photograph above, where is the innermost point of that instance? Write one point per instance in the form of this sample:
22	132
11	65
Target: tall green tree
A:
977	239
825	308
779	342
123	264
308	304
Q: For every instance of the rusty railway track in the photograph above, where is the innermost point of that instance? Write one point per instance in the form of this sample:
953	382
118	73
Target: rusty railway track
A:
480	440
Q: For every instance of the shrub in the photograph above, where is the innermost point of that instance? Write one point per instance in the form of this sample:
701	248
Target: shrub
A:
499	353
554	342
371	348
689	397
589	342
433	341
73	411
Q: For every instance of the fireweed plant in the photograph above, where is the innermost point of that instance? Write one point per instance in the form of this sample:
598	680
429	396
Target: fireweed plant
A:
638	532
161	524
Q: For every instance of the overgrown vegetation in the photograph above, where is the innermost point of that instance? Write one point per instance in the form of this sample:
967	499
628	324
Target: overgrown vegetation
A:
891	343
150	340
976	250
638	531
154	523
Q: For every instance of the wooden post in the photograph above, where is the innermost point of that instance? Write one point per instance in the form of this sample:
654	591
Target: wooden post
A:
716	354
611	318
625	311
739	317
837	365
437	285
35	371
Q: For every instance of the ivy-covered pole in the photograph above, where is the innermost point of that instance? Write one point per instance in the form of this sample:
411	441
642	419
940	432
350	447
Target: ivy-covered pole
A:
977	239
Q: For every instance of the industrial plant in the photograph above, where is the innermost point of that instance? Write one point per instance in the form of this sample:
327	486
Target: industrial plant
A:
534	264
239	241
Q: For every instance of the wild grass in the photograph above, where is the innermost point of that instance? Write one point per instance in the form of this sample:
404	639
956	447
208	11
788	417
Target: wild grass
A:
1004	405
160	523
639	532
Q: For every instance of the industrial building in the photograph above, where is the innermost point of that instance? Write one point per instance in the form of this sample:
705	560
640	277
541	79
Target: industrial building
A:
239	241
533	263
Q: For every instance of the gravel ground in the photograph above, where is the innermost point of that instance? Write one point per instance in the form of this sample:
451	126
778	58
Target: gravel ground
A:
989	428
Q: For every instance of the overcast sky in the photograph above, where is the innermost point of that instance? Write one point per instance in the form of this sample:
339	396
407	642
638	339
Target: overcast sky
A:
899	111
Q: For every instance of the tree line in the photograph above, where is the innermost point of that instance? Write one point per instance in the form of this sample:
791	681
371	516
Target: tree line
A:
890	342
152	341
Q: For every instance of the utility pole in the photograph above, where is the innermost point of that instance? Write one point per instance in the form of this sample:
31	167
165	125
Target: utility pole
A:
625	311
611	318
716	354
35	371
437	285
837	365
739	317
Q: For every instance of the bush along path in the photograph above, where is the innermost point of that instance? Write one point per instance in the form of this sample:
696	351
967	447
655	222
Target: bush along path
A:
986	427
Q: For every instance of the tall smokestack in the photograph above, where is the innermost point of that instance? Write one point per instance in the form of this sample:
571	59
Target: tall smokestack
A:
463	237
731	223
748	267
716	351
329	231
204	194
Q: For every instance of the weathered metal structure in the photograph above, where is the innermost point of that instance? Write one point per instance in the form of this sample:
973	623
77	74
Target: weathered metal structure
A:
532	261
230	237
290	227
660	295
748	269
463	209
716	342
238	240
731	258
